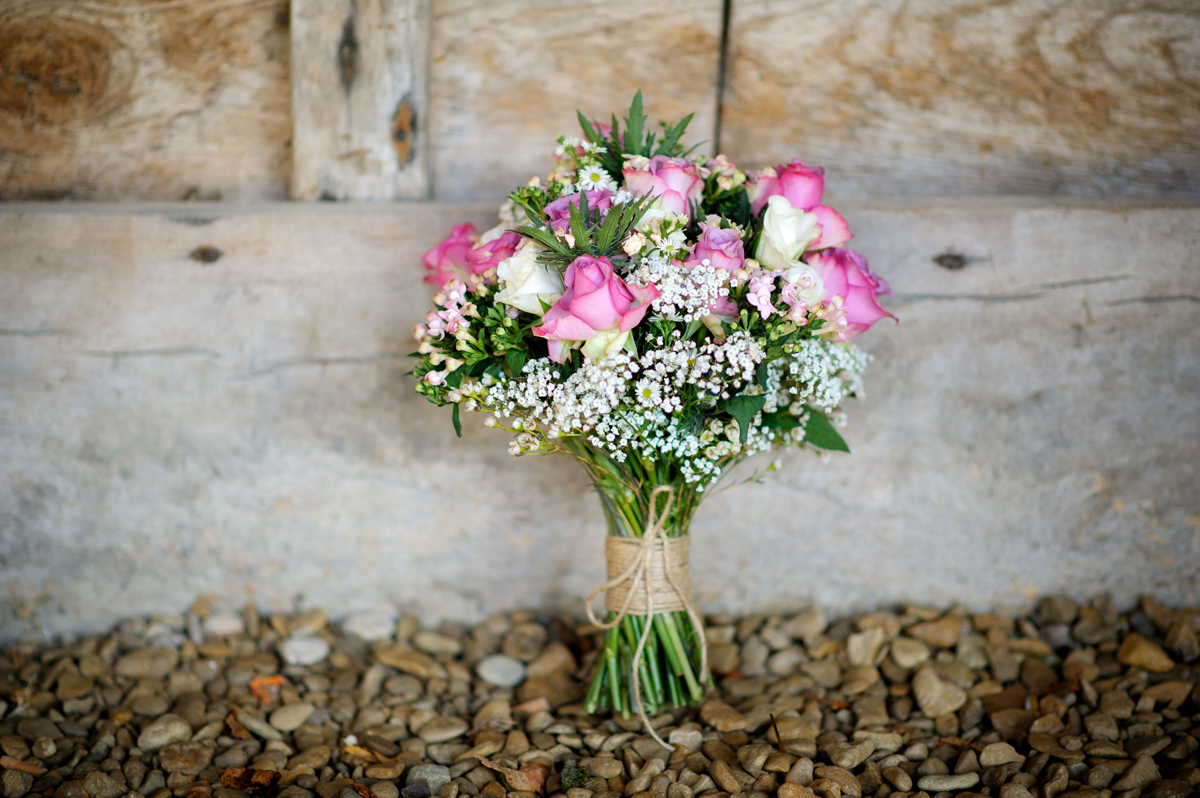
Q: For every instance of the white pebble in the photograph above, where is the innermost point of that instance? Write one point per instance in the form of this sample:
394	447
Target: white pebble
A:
370	625
501	670
303	650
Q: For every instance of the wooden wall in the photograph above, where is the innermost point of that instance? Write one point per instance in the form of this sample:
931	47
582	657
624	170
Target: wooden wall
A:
193	99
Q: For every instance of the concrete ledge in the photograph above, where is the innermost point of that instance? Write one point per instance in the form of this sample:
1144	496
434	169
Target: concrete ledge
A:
171	427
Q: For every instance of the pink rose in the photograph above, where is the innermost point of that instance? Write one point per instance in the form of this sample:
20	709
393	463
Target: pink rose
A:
559	211
448	260
834	229
845	274
674	181
597	308
489	255
722	248
802	186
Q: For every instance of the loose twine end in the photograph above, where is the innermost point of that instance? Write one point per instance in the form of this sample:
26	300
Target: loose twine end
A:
648	575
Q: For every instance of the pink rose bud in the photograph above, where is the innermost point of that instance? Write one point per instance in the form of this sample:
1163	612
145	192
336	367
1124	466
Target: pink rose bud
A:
489	255
597	306
674	181
802	185
722	248
448	260
845	274
834	229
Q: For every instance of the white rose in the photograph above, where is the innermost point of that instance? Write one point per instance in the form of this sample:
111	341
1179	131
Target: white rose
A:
527	283
787	232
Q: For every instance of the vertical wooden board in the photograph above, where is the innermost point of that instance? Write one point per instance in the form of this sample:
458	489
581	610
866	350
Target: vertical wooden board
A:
508	75
903	97
136	99
359	88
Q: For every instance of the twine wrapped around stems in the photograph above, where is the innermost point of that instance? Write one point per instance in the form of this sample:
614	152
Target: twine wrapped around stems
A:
649	575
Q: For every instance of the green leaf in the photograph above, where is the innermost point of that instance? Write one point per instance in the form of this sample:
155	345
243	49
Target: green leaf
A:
760	375
671	137
744	408
545	238
820	433
579	215
589	131
514	361
634	125
455	421
783	420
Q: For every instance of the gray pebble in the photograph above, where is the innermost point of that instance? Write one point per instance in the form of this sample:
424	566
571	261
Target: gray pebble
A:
16	783
948	782
164	730
501	670
147	663
434	777
290	717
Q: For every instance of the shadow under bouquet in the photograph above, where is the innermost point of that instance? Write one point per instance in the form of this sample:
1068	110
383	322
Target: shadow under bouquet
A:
659	316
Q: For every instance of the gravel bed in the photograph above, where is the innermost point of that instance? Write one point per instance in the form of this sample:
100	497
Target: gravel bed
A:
1068	701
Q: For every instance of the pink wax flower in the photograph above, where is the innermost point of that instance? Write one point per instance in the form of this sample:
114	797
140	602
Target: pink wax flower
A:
802	186
489	255
674	181
597	308
722	248
845	274
759	295
559	213
448	260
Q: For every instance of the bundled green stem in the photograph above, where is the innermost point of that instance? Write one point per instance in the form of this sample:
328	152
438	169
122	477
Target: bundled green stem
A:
670	672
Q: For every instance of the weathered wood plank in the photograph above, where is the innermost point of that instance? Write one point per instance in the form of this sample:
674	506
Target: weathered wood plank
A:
172	425
137	99
359	99
927	97
507	78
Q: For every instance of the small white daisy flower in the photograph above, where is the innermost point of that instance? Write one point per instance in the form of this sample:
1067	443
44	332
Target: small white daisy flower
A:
593	178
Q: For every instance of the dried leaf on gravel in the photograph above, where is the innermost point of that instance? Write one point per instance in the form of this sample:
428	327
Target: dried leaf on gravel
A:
363	752
266	688
8	763
250	780
236	730
530	777
361	789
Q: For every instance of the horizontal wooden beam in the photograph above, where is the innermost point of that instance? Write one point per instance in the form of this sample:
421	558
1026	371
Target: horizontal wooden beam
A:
200	398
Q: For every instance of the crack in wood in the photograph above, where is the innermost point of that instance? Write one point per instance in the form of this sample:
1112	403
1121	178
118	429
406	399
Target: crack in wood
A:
307	362
118	354
35	333
1044	288
1116	278
347	53
1157	299
969	297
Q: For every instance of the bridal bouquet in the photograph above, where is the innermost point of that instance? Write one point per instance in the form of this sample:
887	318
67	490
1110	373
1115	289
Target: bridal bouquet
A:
659	316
